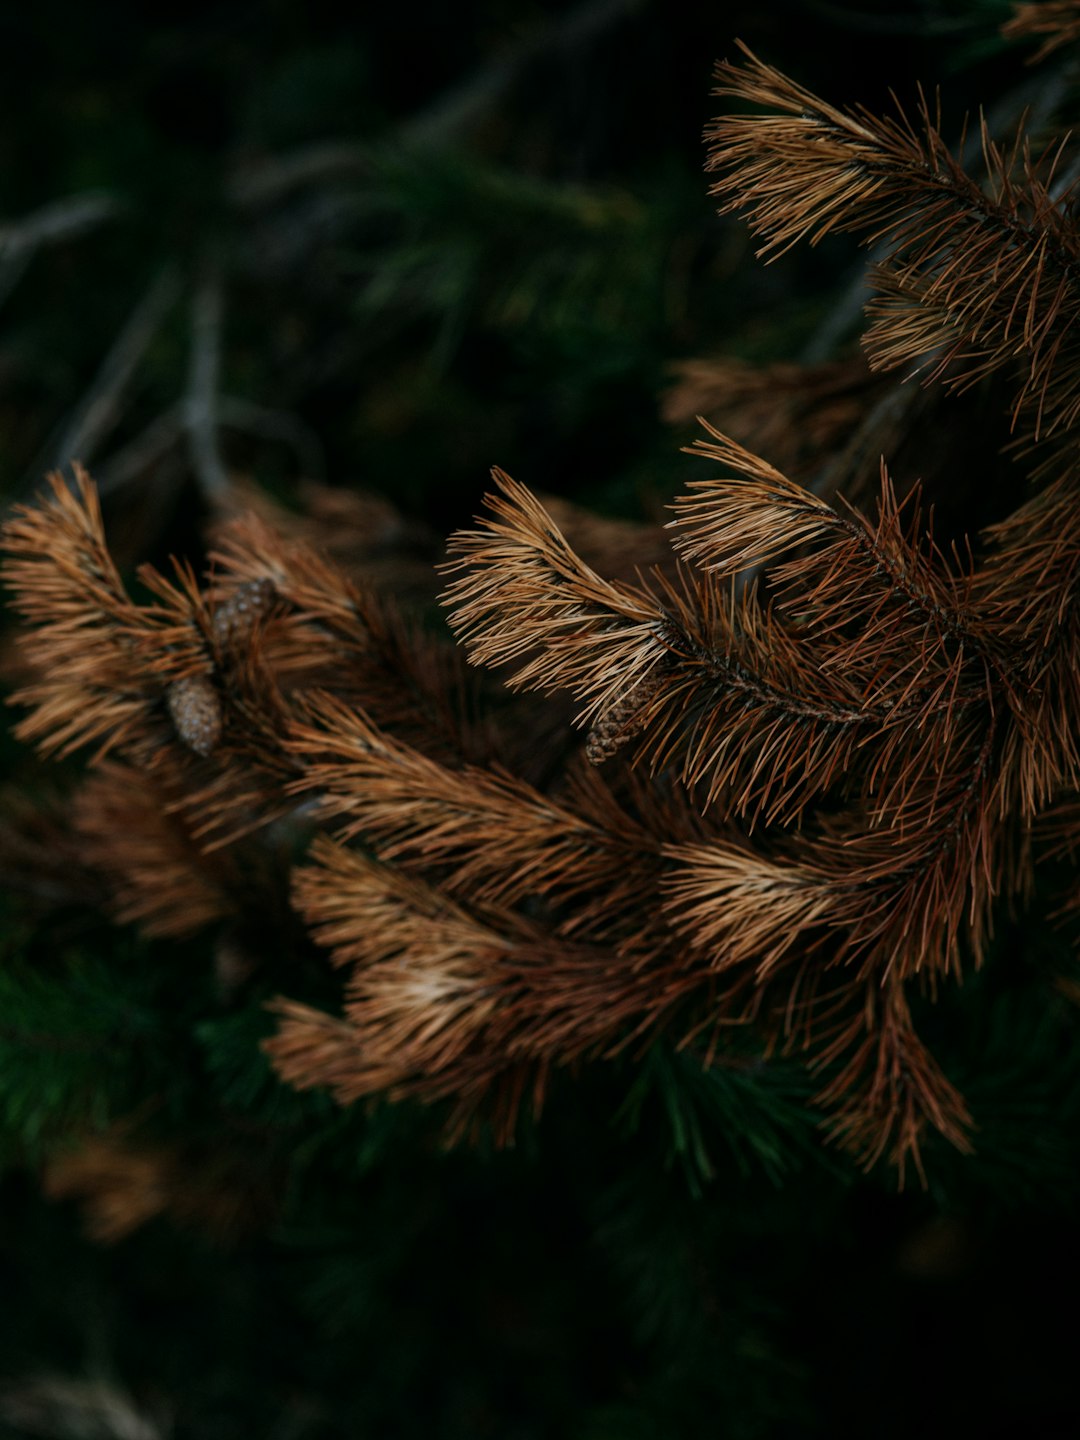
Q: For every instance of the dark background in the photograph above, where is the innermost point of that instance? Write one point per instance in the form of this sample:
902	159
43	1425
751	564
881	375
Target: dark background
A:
498	260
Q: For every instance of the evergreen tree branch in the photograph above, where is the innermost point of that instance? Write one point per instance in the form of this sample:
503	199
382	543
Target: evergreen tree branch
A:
988	273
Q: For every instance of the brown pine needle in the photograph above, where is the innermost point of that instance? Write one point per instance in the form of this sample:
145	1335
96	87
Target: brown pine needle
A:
977	277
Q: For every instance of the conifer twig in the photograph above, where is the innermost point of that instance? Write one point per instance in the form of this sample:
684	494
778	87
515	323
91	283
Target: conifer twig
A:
439	123
1058	21
976	276
98	411
52	224
204	383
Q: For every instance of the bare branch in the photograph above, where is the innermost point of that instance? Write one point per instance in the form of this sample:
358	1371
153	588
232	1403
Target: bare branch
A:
204	384
54	223
100	409
440	123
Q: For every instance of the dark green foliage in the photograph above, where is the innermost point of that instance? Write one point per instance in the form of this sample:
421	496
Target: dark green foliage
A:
756	1110
57	1027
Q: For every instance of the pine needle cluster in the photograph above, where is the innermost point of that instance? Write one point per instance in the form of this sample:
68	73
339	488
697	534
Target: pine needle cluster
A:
814	745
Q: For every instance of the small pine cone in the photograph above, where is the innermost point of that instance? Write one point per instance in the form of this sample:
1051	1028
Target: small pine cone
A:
604	737
196	712
236	617
620	722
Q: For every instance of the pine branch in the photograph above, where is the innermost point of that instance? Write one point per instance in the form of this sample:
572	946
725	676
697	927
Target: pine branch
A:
158	877
41	861
105	662
122	1181
451	999
979	276
502	839
643	661
1029	593
528	589
769	710
1057	20
344	636
887	699
888	1089
797	414
739	908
